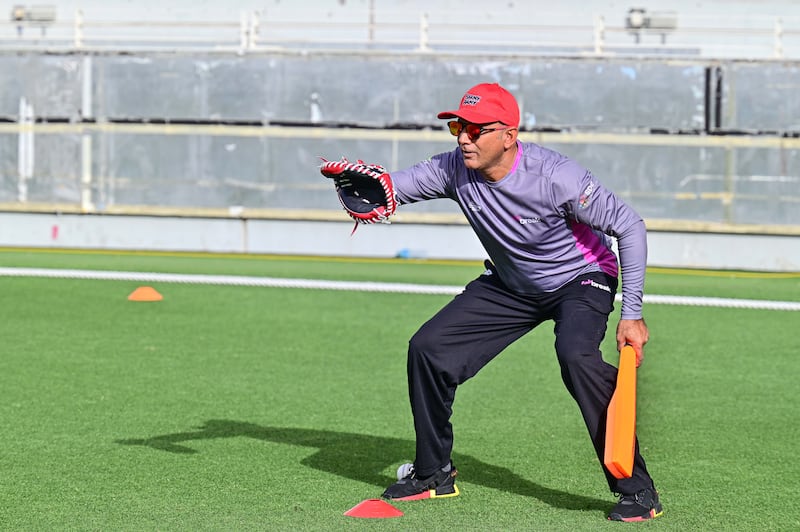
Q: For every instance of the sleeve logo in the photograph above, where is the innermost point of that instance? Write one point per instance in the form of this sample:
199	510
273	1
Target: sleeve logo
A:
585	198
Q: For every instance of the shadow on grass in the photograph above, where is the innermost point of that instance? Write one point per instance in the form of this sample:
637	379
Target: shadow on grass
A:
363	458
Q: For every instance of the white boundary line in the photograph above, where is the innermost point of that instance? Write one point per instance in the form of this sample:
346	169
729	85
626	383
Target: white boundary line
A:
357	286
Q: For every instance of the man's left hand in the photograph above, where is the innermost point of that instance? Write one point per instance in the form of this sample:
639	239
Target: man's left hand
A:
635	334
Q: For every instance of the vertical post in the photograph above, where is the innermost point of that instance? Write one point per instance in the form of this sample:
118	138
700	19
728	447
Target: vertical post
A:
718	98
371	22
713	96
707	101
25	158
86	174
86	88
78	29
729	193
255	22
87	204
778	44
731	153
243	32
599	34
423	32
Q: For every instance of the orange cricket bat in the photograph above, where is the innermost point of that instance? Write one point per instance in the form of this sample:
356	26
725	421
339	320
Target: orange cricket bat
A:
621	419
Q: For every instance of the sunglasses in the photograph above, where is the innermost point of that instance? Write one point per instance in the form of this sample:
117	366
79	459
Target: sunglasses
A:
474	131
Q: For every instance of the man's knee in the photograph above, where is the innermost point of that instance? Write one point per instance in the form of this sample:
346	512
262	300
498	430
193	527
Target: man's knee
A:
423	343
575	349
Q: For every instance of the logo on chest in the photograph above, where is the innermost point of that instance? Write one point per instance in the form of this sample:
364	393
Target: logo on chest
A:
526	221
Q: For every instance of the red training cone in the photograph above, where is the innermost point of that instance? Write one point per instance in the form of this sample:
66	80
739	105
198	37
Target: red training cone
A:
373	508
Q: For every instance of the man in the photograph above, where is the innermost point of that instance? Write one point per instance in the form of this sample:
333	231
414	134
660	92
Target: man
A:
545	222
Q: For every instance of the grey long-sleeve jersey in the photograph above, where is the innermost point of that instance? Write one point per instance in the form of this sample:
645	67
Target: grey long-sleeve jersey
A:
545	223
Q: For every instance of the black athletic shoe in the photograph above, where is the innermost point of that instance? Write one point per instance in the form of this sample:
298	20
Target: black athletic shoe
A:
413	488
639	506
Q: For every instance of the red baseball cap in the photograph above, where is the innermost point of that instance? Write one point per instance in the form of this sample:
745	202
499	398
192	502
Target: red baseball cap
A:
486	103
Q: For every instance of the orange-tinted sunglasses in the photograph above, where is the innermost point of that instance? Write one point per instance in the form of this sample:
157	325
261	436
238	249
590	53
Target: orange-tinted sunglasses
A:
474	131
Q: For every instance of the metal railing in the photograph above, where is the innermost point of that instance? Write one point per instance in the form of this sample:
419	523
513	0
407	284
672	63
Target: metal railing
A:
252	31
97	193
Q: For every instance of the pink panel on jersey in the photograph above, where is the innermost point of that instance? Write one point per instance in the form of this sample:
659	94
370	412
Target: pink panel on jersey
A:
517	158
593	248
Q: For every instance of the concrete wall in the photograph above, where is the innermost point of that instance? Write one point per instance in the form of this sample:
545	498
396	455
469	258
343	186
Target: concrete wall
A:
297	237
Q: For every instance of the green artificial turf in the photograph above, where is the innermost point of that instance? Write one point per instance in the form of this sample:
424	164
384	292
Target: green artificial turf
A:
241	408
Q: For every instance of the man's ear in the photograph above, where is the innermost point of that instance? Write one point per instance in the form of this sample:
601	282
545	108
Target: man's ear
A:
510	137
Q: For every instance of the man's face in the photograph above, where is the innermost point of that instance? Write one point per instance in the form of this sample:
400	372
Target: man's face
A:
482	145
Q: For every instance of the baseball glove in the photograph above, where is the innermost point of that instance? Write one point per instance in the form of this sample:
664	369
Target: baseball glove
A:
365	190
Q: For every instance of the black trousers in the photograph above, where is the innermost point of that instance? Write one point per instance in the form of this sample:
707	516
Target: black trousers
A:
483	320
